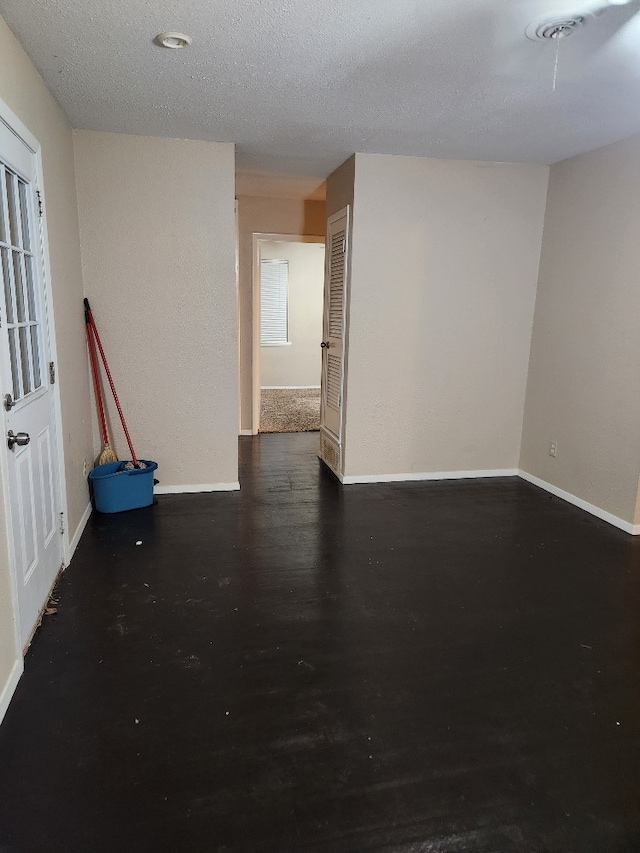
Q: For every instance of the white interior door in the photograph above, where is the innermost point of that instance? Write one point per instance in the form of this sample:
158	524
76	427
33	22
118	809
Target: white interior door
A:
334	327
26	394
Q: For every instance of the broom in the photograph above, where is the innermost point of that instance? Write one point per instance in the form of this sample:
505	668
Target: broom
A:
107	454
91	321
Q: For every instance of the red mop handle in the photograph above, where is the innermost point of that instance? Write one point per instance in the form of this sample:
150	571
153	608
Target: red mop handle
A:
96	379
111	383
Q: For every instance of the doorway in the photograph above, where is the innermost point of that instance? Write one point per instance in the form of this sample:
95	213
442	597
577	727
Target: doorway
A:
288	294
31	454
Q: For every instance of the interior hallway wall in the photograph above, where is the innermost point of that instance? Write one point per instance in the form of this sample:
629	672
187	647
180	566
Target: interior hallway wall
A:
585	360
24	92
266	216
157	227
299	363
444	268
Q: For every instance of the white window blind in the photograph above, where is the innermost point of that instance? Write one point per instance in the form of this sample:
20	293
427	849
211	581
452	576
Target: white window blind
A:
274	299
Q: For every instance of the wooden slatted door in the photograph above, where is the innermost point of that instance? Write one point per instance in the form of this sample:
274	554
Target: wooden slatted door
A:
333	340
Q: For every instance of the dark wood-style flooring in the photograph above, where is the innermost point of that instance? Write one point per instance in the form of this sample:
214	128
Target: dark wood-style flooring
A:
299	666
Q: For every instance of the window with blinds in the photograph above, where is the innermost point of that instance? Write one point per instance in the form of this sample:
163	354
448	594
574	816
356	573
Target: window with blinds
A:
274	303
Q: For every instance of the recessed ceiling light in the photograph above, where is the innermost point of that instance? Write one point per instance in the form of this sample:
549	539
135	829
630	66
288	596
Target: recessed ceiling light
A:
172	40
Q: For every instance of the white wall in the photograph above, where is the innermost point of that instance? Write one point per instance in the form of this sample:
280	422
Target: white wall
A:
263	215
299	363
444	268
22	89
585	356
158	251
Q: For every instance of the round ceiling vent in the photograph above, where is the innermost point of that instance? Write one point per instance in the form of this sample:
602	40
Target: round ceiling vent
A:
553	29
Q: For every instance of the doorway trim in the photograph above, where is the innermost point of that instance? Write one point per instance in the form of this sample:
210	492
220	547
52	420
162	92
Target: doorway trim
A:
258	238
17	127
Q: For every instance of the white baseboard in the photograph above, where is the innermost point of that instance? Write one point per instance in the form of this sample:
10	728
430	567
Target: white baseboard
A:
431	475
197	488
73	542
10	687
246	432
634	529
289	387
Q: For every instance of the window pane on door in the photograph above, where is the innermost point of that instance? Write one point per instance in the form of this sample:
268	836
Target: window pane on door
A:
4	225
19	283
13	357
35	356
31	285
6	279
24	218
21	311
11	181
25	360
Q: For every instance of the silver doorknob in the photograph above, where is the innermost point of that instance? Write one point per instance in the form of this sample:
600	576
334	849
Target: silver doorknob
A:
325	344
21	439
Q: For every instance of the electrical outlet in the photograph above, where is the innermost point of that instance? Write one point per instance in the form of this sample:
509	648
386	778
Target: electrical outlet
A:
84	467
553	448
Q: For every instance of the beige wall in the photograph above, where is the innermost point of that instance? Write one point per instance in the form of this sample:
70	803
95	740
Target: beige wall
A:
444	269
585	359
300	362
158	253
22	89
265	216
340	187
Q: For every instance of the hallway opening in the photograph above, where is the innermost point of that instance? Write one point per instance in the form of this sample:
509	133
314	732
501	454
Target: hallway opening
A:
288	301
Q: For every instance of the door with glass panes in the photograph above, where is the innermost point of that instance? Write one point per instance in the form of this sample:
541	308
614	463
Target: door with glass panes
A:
26	392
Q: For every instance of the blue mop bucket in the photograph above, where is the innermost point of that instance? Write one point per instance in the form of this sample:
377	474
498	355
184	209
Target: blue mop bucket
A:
116	489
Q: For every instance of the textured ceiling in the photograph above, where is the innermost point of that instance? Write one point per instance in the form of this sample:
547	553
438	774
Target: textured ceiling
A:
300	85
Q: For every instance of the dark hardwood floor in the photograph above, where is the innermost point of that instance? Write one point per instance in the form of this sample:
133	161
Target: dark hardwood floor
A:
299	666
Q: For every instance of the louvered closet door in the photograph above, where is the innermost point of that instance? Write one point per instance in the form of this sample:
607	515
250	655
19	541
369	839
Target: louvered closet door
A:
335	302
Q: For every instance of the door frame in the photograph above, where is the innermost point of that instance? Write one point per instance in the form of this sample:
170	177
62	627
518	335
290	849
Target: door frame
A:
16	126
258	238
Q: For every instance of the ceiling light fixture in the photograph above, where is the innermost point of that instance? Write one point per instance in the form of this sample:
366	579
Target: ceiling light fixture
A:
554	29
174	41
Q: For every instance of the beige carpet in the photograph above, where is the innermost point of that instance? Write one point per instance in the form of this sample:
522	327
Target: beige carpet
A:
289	409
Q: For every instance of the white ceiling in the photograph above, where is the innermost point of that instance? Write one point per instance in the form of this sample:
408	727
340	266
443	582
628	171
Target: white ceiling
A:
300	85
